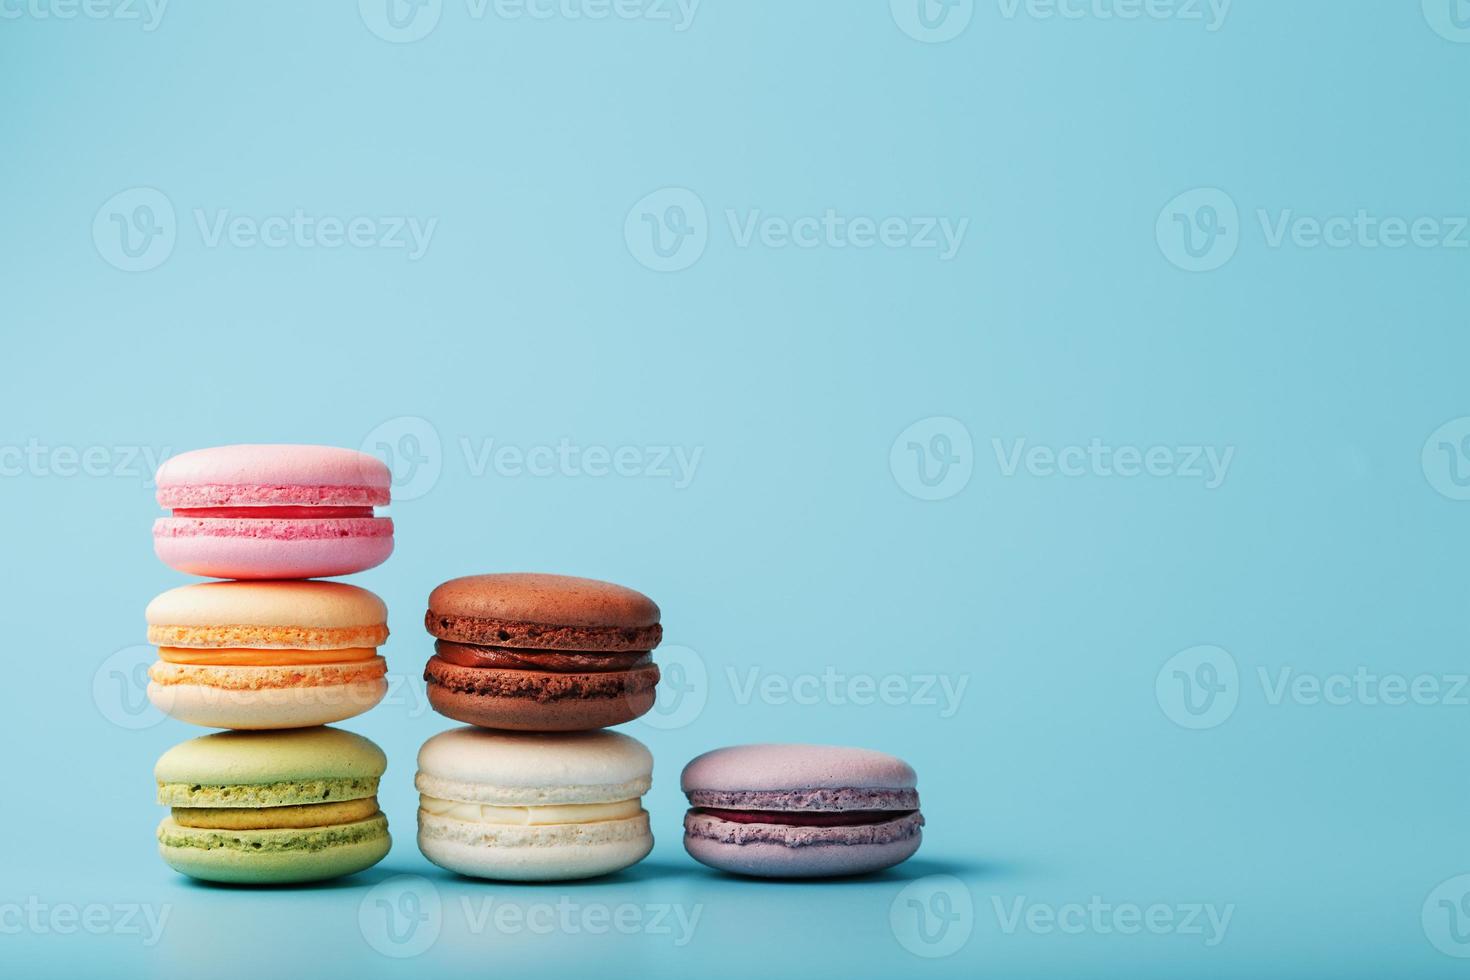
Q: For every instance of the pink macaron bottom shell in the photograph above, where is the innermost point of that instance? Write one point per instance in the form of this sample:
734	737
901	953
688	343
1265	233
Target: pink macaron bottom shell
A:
243	548
256	495
836	858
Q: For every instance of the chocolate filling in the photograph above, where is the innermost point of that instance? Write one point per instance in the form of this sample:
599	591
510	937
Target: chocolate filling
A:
548	661
806	818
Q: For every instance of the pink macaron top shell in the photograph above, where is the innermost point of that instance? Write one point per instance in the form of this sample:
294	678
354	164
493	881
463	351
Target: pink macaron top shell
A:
788	768
273	475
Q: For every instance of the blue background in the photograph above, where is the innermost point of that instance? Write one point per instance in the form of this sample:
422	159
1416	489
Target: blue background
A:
796	547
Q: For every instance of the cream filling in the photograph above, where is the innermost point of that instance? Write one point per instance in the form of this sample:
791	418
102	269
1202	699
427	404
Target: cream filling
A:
531	816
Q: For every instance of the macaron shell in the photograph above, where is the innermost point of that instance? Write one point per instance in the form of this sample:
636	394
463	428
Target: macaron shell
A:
813	861
785	767
523	769
524	715
253	758
266	710
272	549
556	853
283	469
530	597
312	855
317	605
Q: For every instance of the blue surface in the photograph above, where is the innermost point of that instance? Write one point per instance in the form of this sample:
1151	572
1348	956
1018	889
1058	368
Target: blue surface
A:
1134	746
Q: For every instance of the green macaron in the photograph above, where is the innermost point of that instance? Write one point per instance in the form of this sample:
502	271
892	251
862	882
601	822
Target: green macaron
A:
272	807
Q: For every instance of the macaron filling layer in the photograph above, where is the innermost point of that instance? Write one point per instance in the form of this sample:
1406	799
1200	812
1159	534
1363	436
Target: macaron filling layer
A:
250	657
256	637
313	528
552	661
540	686
276	817
268	677
282	513
531	816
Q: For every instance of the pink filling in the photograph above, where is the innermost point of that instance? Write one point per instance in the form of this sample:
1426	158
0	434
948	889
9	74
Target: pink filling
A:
287	513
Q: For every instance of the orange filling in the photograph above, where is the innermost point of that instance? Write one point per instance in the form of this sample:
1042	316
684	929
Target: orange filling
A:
262	658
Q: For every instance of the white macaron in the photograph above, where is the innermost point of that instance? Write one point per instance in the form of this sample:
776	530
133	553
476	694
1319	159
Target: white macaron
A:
523	806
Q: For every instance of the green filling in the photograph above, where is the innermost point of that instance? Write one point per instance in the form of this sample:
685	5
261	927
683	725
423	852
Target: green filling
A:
271	841
289	793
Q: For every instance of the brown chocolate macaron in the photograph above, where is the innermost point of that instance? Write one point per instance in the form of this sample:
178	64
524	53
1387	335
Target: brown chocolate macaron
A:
541	653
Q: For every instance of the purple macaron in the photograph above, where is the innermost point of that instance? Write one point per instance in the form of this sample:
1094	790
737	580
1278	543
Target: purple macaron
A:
800	811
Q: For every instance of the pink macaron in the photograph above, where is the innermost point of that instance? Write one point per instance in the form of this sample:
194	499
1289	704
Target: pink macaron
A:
800	811
262	512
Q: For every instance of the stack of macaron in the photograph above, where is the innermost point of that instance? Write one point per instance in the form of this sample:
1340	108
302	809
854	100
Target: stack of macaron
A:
272	655
533	789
